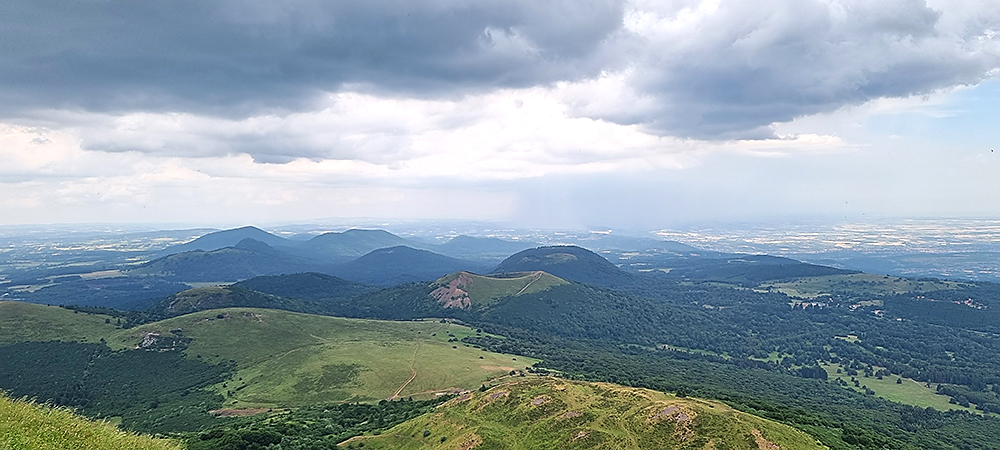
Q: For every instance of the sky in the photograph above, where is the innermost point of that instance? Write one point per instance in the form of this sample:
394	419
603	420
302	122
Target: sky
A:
637	114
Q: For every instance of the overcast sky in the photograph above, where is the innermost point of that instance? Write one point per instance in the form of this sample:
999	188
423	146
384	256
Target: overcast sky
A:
638	114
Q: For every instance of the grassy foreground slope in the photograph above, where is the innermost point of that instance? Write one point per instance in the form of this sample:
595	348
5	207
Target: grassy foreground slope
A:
293	359
546	413
27	426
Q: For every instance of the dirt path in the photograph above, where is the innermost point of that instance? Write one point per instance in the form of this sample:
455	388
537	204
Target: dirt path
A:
413	367
538	276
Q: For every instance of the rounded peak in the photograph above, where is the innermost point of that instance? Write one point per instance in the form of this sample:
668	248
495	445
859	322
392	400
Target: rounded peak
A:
397	249
569	262
246	228
253	245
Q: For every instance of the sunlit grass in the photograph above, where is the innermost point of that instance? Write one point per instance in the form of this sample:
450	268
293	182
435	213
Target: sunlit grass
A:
293	359
543	413
907	391
29	426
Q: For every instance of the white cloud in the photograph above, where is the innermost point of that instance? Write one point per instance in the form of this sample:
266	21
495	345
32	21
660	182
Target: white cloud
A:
506	134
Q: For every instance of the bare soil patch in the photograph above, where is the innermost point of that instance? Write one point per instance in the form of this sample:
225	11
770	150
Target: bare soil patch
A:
452	295
541	400
763	444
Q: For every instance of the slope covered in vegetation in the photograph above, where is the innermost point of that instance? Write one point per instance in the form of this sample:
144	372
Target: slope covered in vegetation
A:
28	426
291	359
465	289
546	412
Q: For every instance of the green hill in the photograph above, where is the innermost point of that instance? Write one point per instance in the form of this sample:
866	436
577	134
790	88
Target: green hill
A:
306	286
546	413
289	359
401	264
214	297
28	322
227	238
465	289
250	357
247	259
568	262
27	426
354	242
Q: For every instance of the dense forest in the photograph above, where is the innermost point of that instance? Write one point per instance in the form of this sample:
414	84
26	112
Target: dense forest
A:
318	427
152	391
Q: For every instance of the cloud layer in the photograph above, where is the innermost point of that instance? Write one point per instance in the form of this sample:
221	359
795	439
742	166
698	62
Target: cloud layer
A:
240	57
704	69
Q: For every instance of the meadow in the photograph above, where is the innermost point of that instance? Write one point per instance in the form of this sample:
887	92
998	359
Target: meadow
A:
908	392
292	359
286	359
28	322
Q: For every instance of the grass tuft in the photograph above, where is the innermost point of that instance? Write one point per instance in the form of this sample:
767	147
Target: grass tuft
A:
25	425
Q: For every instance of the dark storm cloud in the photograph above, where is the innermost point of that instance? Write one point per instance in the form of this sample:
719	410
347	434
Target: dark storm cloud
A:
241	56
747	65
709	70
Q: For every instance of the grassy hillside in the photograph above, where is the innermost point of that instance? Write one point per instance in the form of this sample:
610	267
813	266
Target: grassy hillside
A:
27	322
465	289
27	426
266	358
544	413
289	359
